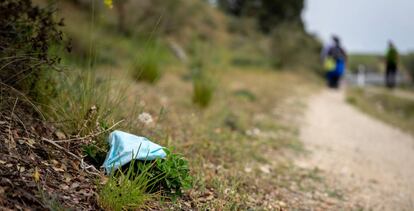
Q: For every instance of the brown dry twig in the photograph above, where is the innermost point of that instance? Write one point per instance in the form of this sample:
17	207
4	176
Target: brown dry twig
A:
83	165
91	135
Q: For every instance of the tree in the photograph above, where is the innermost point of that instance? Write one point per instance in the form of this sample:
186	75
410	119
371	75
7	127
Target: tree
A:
268	13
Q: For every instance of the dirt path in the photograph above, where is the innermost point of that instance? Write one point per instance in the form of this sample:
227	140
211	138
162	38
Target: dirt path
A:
372	160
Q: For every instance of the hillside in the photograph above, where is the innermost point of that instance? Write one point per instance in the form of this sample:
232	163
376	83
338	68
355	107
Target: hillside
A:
214	89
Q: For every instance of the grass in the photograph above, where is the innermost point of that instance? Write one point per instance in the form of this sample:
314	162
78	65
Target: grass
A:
127	191
147	68
385	106
83	102
203	92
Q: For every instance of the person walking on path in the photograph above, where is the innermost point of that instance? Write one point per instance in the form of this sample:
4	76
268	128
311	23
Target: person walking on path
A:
335	59
391	68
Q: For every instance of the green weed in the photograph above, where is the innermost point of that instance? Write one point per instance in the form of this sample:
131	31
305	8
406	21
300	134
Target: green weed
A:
203	92
147	68
125	191
244	93
171	175
175	173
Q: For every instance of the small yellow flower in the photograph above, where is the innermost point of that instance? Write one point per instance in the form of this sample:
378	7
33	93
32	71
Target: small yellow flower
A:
108	3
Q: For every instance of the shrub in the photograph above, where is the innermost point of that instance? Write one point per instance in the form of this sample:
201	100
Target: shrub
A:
147	68
175	173
203	91
26	34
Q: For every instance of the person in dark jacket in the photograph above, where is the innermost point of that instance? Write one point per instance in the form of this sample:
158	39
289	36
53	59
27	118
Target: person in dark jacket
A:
391	68
338	54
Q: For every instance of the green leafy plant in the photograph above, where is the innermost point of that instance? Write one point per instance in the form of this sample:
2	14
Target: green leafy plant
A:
203	91
127	190
175	173
171	175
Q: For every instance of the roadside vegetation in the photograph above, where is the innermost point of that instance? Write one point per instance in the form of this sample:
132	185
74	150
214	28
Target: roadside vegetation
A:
371	62
209	88
384	105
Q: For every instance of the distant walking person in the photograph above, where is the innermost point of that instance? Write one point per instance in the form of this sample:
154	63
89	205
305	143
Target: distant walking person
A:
335	59
391	66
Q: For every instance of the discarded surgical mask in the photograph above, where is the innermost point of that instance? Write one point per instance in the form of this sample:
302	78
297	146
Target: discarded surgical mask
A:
126	147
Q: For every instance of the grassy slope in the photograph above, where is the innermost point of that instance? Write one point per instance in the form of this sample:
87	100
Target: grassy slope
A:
238	148
384	105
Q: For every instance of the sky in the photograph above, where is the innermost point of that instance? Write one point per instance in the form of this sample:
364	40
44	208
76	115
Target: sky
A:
365	26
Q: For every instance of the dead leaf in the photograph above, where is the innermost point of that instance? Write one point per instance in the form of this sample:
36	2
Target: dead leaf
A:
60	135
27	141
74	165
21	169
188	204
15	134
2	162
30	142
63	166
64	187
58	169
74	185
103	180
68	178
36	175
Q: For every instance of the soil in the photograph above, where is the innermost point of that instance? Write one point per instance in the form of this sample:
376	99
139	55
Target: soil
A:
373	161
35	175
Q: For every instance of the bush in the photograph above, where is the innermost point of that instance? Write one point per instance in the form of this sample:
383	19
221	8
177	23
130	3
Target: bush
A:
147	68
203	91
175	173
26	34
